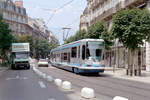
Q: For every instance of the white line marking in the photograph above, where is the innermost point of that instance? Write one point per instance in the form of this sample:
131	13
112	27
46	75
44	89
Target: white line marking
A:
42	85
17	77
10	79
51	99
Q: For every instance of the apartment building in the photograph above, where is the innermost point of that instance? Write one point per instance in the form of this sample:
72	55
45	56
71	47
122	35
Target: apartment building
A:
15	15
104	10
38	28
84	22
53	38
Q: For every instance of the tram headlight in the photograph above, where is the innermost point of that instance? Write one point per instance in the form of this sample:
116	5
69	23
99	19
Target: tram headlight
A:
102	62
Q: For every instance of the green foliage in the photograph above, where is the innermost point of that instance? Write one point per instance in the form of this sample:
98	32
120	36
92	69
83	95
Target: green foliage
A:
130	26
39	47
53	45
5	40
108	40
78	36
5	36
146	23
43	48
99	31
96	30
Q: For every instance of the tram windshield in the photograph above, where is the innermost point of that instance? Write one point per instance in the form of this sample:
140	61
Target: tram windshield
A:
95	51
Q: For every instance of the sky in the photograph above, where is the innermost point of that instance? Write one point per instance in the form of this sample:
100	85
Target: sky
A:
68	16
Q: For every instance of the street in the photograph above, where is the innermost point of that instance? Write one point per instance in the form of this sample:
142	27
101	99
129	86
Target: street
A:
26	85
75	50
106	87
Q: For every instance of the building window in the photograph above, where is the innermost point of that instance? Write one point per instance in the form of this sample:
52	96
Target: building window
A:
74	52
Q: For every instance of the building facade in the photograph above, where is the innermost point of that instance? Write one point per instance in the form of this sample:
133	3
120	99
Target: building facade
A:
53	38
14	15
104	10
38	28
84	20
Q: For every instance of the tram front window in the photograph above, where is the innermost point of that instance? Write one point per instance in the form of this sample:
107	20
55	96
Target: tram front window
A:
95	51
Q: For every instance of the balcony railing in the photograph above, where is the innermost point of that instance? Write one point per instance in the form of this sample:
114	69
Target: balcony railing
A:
129	3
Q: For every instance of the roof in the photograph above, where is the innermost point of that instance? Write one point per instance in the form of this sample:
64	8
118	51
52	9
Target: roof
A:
76	43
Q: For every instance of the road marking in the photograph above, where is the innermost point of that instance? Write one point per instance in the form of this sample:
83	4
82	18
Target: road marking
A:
42	85
17	78
51	99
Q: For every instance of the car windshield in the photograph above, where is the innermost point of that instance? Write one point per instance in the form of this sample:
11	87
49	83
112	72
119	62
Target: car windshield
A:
22	55
42	60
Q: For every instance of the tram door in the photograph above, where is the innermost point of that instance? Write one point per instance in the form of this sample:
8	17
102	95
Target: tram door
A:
69	57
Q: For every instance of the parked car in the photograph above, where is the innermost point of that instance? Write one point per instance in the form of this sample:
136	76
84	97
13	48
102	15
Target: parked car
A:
43	63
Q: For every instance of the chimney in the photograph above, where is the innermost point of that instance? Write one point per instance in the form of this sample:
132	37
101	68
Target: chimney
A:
19	3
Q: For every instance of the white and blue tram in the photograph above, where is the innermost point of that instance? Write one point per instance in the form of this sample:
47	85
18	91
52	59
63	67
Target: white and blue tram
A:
83	56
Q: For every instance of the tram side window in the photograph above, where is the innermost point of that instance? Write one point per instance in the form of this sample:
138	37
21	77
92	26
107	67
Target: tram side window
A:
83	52
74	52
65	56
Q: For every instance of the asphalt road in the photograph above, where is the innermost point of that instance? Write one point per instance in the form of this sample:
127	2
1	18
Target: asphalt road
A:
106	87
26	85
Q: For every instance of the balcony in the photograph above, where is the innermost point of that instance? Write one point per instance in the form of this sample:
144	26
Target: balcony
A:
106	15
131	3
97	3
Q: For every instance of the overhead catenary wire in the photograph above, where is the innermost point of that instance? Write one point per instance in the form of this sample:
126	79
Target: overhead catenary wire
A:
57	9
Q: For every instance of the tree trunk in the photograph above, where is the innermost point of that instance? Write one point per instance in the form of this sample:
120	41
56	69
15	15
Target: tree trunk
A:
135	62
141	61
127	61
130	65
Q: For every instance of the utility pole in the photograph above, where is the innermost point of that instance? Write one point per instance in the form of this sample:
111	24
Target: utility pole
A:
66	31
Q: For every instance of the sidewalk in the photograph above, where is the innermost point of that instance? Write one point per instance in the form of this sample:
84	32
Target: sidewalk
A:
121	73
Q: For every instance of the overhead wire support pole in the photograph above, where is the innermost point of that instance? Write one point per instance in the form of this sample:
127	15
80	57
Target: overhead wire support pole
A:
67	30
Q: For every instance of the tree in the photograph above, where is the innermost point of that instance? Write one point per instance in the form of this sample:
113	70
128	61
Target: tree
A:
96	30
146	23
130	27
43	47
78	36
52	45
100	31
5	39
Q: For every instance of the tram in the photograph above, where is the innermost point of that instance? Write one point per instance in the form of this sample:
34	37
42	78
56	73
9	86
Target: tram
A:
83	56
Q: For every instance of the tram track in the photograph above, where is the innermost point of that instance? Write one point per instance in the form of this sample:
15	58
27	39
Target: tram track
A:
102	83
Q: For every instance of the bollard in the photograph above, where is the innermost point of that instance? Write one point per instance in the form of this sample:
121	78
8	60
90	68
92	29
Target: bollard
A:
87	93
44	75
58	82
119	98
49	78
66	85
